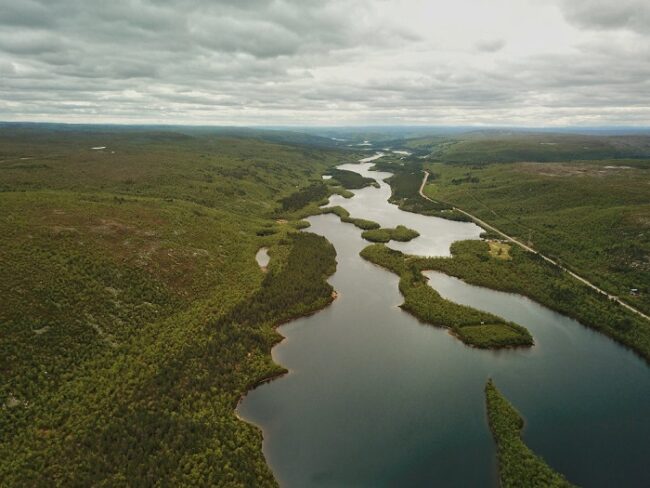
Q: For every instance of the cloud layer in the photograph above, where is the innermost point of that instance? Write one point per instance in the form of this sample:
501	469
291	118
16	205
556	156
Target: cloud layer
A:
331	62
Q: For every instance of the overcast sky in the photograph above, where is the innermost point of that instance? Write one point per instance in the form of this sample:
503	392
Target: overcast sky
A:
326	62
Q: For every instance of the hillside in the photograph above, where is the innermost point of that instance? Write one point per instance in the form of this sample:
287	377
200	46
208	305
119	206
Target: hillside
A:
134	315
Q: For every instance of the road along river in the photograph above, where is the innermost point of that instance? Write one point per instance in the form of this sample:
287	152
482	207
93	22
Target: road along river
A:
375	398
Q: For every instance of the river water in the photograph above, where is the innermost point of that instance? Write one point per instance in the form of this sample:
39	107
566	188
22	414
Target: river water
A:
375	398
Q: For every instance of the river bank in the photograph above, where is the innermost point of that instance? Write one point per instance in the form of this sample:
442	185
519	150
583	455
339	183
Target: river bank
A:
374	398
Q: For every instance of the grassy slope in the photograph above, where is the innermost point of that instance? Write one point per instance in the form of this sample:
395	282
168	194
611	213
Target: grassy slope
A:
473	327
503	147
123	282
518	465
595	220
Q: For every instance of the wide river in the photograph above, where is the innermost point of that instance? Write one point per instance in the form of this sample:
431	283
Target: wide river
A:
374	398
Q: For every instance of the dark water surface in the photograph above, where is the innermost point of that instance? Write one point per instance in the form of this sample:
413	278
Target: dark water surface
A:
375	398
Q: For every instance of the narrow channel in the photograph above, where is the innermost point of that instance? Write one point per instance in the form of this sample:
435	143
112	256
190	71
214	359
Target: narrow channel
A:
375	398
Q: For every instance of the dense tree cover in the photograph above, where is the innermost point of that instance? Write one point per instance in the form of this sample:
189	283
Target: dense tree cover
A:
528	274
405	189
301	198
518	465
473	327
399	233
350	179
592	216
132	312
157	409
296	289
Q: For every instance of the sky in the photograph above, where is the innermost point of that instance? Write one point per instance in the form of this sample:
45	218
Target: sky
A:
326	62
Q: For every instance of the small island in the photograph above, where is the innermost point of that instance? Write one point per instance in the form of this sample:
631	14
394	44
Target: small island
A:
399	233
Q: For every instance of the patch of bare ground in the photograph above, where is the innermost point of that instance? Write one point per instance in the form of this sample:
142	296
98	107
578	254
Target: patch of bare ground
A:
499	250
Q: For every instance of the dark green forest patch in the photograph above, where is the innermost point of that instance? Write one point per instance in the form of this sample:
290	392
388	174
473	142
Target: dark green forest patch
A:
518	465
399	233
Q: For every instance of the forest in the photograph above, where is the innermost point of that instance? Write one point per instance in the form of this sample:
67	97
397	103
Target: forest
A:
590	215
518	465
301	198
134	315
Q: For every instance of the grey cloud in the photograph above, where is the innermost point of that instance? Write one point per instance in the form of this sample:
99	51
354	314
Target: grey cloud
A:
29	43
288	61
490	45
28	13
607	14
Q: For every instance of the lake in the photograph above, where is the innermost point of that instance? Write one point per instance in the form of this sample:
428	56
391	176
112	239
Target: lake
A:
375	398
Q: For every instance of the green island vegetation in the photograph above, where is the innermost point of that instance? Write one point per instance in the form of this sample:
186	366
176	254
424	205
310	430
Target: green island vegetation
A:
350	179
399	233
133	313
518	465
528	274
344	215
473	327
592	216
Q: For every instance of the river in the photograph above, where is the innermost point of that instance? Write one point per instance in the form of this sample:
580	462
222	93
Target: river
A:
375	398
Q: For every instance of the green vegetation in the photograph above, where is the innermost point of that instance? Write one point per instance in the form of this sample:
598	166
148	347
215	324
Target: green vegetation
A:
309	201
405	189
518	465
528	274
499	249
399	233
473	327
489	147
133	313
591	216
350	179
344	215
316	192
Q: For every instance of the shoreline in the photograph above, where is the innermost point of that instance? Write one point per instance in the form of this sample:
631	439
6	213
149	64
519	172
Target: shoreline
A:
283	371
